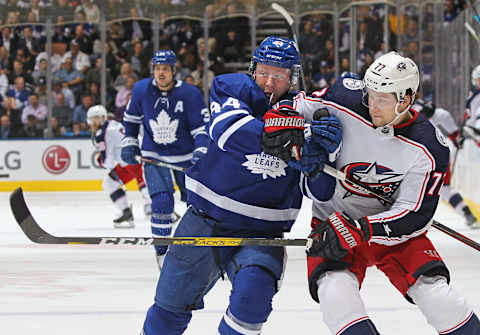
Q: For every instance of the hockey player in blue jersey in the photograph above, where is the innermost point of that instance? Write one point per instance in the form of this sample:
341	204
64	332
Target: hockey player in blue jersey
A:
397	153
237	189
173	115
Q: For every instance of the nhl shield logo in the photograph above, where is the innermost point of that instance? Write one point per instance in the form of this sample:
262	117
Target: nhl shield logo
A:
278	44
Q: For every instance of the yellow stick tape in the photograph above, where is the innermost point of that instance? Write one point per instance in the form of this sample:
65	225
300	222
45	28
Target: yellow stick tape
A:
474	206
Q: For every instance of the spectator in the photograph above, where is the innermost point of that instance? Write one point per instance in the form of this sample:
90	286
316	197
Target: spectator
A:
84	42
9	128
41	91
125	72
62	9
181	72
94	91
57	129
121	97
198	76
3	80
31	128
29	43
91	10
62	113
41	72
66	92
70	77
56	60
411	33
7	40
94	74
4	57
81	62
36	109
230	46
80	115
189	80
60	32
19	93
135	29
18	70
139	58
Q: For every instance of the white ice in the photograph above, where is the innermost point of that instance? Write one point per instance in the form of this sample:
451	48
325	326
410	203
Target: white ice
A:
78	290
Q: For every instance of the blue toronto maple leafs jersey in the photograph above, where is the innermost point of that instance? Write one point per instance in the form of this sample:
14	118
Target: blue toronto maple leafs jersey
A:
173	122
235	182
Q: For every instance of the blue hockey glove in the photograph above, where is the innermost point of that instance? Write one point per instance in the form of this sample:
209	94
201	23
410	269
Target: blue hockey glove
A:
327	132
312	161
197	154
130	150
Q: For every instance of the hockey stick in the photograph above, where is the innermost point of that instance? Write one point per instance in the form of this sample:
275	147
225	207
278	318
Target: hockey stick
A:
158	163
36	234
283	12
452	233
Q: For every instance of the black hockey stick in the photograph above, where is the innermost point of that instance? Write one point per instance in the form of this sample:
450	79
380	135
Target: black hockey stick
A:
36	234
283	12
449	231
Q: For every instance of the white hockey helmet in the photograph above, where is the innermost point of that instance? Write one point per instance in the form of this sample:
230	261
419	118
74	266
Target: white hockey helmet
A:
475	75
392	73
97	110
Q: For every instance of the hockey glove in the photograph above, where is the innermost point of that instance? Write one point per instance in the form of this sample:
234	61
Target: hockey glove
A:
327	131
283	133
312	161
335	237
197	154
130	150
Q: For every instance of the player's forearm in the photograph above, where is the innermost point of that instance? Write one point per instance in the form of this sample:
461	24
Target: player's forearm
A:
131	129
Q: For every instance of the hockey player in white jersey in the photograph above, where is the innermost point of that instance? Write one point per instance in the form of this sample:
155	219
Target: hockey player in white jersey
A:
107	137
442	119
238	189
173	115
395	152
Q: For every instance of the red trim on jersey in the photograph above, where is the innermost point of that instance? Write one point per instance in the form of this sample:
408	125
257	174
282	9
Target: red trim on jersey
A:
321	93
457	326
352	323
409	122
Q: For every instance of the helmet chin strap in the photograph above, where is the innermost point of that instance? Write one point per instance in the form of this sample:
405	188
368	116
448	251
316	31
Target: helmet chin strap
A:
388	128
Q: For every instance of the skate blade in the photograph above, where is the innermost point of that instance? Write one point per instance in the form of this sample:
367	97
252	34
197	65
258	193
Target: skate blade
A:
124	225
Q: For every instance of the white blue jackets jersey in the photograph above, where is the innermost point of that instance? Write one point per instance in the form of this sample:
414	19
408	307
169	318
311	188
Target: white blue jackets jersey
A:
235	182
107	141
173	122
407	165
473	110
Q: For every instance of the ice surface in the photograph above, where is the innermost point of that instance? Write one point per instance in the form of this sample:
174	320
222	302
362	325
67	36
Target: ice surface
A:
78	290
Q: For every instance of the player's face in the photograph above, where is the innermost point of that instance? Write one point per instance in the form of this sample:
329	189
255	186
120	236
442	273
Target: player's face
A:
381	107
163	75
95	122
272	80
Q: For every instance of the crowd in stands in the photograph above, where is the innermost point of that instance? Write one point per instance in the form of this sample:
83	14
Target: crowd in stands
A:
76	59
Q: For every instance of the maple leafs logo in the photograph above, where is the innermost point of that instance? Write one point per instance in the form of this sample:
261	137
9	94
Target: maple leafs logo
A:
164	129
266	165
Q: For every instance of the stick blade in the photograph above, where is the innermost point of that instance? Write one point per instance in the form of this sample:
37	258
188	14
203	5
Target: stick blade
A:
283	12
25	220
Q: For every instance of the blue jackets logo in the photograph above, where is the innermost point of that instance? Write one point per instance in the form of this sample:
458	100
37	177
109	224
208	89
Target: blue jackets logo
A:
164	129
266	165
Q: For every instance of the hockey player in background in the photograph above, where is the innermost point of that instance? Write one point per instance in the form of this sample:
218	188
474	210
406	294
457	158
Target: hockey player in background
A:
395	152
107	137
239	190
173	115
442	119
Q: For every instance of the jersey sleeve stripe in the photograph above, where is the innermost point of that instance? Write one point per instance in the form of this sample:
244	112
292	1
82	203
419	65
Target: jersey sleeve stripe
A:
385	240
376	219
232	129
198	131
223	117
221	201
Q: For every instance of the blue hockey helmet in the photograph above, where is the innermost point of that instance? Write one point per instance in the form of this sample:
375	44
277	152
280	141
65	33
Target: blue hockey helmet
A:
164	57
277	51
353	75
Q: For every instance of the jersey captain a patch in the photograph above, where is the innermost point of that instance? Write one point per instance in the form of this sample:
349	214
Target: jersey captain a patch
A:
380	179
266	165
164	129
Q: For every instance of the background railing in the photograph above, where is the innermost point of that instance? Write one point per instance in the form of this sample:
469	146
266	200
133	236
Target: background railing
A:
71	54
